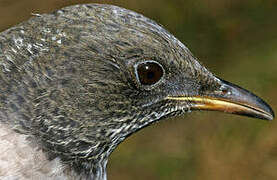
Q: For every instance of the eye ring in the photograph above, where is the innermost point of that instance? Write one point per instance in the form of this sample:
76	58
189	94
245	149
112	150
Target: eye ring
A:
149	73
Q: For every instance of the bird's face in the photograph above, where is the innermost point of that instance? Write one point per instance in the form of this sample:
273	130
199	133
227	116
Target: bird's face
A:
166	80
162	79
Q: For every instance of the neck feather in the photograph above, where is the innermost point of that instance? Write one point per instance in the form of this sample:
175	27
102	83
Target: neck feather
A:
88	170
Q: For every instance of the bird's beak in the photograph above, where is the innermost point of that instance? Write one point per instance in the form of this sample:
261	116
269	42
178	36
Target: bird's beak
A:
231	99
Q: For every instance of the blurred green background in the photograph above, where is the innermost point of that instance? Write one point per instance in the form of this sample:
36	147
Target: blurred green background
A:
237	40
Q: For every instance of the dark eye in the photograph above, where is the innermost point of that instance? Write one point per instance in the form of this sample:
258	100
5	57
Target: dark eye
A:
149	73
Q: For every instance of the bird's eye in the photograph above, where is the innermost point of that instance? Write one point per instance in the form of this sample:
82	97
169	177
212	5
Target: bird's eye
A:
149	73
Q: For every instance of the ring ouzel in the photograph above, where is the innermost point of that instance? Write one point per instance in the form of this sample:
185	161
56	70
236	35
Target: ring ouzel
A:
77	82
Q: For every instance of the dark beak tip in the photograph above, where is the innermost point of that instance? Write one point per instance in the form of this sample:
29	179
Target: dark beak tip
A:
258	108
272	115
268	112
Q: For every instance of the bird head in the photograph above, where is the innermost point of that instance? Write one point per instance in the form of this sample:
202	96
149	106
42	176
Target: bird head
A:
98	73
141	73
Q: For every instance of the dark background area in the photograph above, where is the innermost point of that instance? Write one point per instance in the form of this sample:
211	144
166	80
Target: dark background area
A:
237	40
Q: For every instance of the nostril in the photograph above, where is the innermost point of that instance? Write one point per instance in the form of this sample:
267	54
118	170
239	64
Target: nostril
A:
224	91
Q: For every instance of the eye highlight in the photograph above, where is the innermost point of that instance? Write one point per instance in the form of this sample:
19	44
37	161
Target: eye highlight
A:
149	72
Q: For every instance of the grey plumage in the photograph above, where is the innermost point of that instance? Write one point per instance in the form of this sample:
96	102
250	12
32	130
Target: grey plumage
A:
69	83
